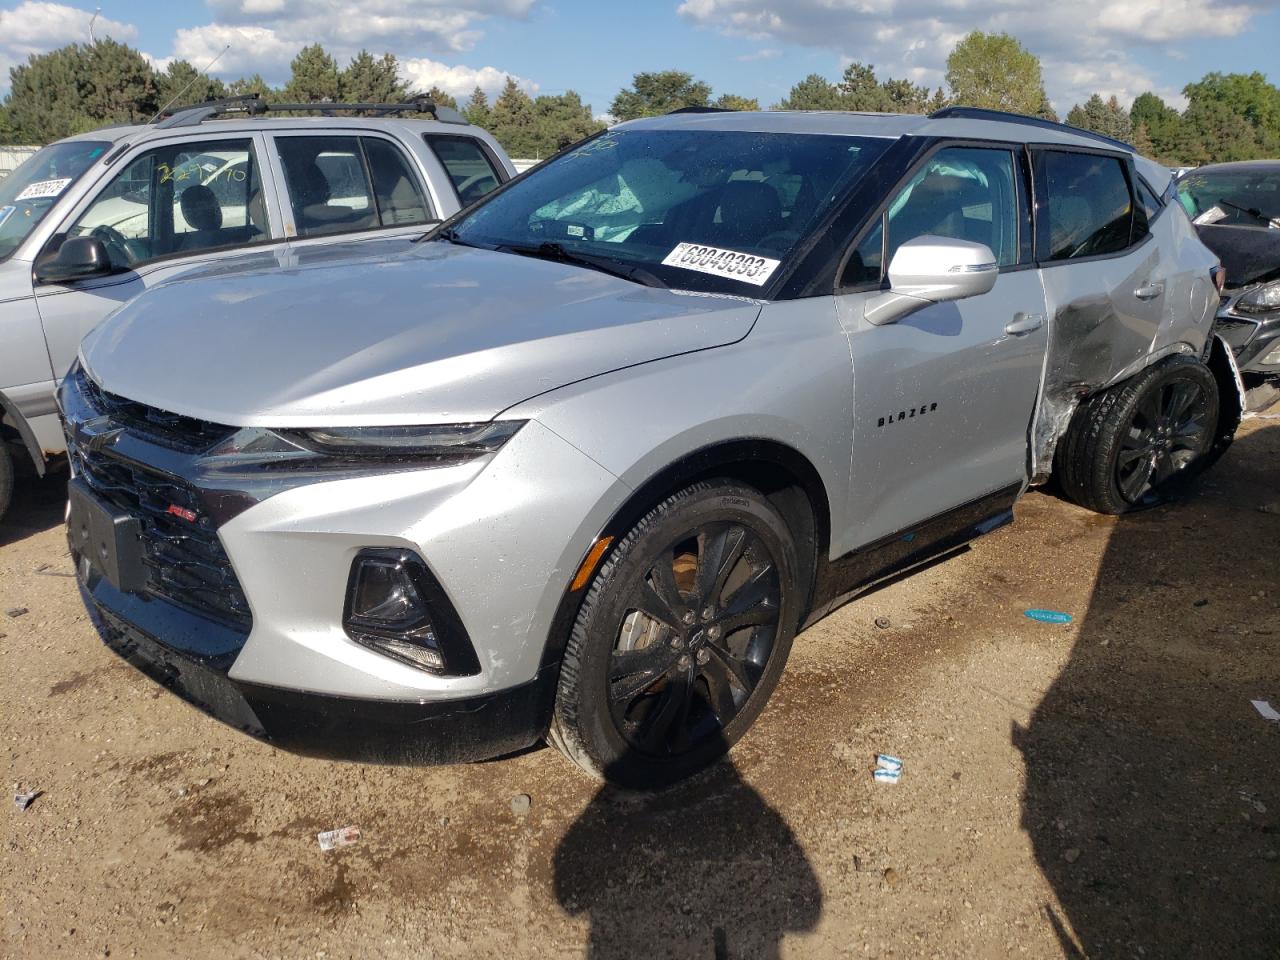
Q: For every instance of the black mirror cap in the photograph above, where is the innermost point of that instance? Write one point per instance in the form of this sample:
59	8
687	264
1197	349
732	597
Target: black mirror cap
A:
76	259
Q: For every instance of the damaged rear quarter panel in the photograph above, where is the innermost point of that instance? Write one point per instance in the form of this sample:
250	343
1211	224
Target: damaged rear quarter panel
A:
1101	333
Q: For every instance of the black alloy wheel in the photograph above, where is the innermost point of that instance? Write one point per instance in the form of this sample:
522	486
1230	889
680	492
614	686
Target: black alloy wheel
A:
695	639
1169	430
680	637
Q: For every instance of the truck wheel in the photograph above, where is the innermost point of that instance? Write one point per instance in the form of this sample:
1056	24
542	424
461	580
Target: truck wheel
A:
1137	444
680	639
6	478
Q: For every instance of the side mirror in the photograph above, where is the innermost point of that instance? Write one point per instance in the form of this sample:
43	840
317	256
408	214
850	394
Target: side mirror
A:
77	259
928	270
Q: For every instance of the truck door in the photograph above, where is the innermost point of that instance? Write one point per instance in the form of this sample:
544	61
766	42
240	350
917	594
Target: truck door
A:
171	206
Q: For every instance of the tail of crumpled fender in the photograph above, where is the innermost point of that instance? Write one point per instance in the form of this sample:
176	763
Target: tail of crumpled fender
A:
1231	400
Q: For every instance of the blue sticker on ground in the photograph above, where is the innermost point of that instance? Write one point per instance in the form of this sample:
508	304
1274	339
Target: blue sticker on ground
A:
1049	616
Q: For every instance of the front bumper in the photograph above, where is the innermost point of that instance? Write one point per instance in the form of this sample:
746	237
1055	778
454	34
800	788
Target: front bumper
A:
313	724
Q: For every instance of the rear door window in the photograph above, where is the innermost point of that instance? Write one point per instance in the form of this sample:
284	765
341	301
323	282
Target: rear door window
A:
472	171
1084	207
347	184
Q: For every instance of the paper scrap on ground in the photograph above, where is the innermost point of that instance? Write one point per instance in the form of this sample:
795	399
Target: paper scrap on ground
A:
43	188
1049	616
24	800
1265	708
719	262
332	839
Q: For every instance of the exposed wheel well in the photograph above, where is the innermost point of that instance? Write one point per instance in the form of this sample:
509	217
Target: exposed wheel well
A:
15	433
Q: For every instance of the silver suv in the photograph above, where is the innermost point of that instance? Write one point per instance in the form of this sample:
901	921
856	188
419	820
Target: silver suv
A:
582	463
89	222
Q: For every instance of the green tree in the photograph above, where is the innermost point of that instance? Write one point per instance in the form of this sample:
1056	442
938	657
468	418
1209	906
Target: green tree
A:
731	101
653	94
1163	126
181	83
994	71
1102	116
78	88
514	122
1233	116
314	77
255	84
370	79
477	109
440	98
814	92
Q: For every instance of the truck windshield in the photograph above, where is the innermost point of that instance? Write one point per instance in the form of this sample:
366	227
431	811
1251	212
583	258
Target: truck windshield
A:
28	193
706	210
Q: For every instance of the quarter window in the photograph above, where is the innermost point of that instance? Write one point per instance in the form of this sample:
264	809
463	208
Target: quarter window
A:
468	164
345	184
1083	206
179	199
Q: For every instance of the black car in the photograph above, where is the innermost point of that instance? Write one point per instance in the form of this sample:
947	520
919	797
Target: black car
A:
1236	209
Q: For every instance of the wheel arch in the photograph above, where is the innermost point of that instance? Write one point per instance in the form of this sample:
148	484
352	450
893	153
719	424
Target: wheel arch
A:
785	476
13	423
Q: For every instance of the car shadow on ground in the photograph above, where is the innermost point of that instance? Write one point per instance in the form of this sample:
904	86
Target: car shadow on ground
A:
703	870
38	504
1152	797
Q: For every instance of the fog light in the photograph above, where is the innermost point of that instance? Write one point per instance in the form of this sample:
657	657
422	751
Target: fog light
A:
396	607
1272	359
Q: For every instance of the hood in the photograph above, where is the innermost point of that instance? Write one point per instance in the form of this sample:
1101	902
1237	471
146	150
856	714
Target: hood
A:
1249	254
439	334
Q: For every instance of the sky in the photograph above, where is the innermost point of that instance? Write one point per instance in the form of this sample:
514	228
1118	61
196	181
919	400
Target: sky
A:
754	48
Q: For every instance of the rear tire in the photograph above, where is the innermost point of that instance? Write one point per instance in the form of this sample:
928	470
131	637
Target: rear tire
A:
6	478
1139	443
681	638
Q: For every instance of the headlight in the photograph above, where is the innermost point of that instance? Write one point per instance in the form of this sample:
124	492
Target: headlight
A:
409	446
1263	299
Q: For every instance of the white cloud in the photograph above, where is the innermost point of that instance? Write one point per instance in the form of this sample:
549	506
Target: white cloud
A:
35	27
1085	46
459	80
768	53
252	50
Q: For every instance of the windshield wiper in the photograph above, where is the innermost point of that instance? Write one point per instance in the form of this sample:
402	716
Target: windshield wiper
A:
1253	212
549	250
451	236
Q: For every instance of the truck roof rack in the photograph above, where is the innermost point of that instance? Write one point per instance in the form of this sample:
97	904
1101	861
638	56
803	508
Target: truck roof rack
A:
253	105
672	113
978	113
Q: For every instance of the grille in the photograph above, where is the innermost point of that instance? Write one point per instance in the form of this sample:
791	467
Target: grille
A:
185	562
170	430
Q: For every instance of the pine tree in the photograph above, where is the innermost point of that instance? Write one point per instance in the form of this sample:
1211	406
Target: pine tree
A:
653	94
181	83
370	79
513	122
314	78
477	109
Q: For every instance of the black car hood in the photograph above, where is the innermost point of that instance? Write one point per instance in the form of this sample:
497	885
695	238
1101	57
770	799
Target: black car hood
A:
1250	254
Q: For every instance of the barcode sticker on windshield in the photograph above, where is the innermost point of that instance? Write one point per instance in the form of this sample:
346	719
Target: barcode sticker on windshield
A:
746	267
43	188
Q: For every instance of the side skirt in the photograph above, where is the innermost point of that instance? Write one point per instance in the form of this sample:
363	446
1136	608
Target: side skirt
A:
843	579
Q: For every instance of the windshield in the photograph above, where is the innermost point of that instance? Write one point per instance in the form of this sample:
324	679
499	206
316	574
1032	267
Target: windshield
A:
1239	198
714	211
28	193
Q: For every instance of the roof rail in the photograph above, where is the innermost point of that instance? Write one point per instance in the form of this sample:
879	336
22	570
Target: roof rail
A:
978	113
672	113
253	105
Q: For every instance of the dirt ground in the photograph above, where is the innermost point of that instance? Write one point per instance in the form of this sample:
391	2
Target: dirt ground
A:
1099	789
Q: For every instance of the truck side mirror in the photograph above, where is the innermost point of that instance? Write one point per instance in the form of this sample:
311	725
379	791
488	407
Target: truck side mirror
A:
928	270
77	259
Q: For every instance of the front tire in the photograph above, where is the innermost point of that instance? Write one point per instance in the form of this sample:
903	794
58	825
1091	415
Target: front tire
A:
1137	444
681	638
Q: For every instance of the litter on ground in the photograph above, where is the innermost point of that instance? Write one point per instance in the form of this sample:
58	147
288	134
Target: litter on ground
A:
1049	616
1265	708
344	837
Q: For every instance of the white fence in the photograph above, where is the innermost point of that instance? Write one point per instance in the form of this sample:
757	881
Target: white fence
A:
523	165
10	157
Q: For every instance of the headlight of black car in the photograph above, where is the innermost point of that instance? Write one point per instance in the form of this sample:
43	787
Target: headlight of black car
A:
1261	299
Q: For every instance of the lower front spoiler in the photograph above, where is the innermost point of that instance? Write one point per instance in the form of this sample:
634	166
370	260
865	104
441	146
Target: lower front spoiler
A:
339	728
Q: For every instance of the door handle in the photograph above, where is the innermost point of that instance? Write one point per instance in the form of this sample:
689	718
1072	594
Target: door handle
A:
1024	323
1149	291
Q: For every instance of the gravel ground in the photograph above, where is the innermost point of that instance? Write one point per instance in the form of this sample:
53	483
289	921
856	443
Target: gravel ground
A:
1099	789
